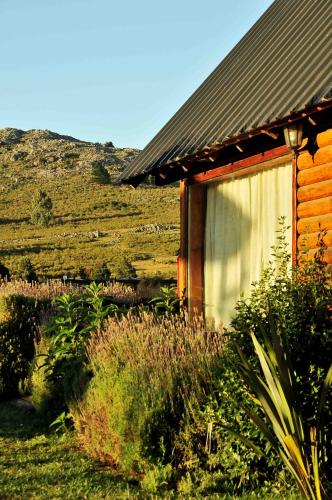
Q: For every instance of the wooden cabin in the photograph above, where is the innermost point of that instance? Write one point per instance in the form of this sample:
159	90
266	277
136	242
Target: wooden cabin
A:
253	143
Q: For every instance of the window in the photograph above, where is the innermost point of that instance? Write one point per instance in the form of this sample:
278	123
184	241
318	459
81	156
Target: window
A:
240	228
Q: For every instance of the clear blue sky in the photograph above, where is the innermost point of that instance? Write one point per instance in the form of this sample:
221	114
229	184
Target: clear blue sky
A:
111	70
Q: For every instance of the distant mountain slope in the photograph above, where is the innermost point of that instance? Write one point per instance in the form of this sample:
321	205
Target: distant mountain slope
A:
45	154
92	223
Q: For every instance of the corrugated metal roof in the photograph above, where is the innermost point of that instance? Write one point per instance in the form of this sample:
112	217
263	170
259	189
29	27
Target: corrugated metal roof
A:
281	66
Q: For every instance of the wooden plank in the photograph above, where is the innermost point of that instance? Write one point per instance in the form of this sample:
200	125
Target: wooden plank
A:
313	224
315	191
323	155
197	209
310	240
182	258
315	174
324	138
281	153
315	207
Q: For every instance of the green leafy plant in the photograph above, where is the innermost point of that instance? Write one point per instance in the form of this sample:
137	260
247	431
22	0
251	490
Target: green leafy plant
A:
62	423
296	301
76	317
167	300
298	298
303	450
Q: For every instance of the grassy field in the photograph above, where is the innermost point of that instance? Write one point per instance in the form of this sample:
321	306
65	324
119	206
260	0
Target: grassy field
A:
93	224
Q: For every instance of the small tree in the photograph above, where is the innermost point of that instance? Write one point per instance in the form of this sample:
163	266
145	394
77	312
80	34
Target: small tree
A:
4	272
99	173
101	273
82	273
25	270
42	205
123	268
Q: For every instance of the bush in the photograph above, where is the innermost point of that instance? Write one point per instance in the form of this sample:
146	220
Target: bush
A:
47	397
18	327
99	173
303	449
25	270
4	272
101	273
298	300
148	373
214	444
41	209
123	268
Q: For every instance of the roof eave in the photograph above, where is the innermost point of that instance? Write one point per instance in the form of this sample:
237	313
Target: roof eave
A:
209	152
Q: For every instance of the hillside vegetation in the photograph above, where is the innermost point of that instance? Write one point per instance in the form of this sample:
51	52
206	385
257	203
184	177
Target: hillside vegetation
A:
92	223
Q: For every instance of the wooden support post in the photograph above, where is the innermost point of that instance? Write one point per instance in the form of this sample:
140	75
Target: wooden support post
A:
183	254
197	209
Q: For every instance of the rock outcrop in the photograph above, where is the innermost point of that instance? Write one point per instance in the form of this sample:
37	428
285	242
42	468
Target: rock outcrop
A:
46	154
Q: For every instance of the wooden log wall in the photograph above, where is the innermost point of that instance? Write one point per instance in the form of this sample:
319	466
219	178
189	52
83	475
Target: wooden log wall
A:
314	196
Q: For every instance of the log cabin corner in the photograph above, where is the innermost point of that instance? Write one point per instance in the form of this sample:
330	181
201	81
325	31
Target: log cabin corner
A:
253	143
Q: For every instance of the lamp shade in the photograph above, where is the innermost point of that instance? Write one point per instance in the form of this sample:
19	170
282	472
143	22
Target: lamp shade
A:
293	135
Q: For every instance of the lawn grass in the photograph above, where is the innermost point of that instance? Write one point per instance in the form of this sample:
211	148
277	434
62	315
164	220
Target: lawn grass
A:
35	464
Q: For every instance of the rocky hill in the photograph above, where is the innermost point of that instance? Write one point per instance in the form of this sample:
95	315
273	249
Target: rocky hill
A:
92	223
45	154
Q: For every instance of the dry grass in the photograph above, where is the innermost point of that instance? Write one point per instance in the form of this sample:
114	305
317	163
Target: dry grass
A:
41	291
122	294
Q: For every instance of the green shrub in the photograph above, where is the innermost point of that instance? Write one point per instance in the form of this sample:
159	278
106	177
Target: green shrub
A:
25	270
4	272
47	396
18	327
41	209
298	301
214	443
99	173
303	449
148	372
101	273
123	268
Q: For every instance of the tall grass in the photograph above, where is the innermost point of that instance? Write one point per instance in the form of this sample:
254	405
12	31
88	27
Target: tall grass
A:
50	289
40	291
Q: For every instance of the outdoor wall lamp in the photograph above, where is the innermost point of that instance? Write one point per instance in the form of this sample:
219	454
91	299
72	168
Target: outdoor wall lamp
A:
293	135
